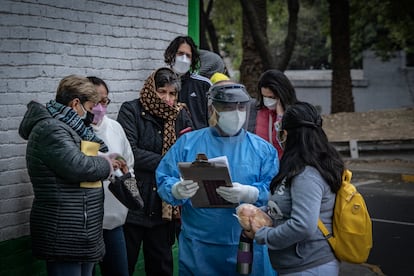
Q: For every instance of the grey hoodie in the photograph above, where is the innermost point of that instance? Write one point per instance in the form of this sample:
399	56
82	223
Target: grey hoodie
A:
295	243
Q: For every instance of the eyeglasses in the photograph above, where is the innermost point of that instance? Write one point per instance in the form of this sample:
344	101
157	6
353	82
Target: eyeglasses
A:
105	101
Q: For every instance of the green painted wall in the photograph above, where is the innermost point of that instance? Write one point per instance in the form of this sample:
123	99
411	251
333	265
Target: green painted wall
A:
16	260
194	20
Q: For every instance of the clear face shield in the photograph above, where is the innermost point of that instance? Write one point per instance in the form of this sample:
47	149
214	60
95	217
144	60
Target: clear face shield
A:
229	110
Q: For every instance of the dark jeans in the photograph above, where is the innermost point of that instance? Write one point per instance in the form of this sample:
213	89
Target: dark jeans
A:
69	269
157	244
115	261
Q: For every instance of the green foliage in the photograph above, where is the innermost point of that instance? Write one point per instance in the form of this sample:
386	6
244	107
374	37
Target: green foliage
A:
312	47
277	20
311	50
227	18
384	26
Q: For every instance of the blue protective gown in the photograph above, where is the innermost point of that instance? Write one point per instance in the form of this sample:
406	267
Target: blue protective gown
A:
209	237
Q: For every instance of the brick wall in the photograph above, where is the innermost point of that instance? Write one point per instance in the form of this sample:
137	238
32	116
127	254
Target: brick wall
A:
41	41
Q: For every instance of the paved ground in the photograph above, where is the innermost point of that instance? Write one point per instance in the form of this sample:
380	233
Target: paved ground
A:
402	163
347	269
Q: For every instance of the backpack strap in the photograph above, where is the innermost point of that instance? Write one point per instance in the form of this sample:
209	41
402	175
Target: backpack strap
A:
328	236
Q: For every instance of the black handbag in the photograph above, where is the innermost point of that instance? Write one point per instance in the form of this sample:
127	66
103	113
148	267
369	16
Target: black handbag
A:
125	189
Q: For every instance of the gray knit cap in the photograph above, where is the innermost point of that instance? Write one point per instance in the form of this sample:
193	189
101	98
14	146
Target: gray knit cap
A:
210	63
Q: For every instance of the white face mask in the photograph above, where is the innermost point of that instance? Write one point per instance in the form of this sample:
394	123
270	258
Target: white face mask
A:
182	64
270	103
231	121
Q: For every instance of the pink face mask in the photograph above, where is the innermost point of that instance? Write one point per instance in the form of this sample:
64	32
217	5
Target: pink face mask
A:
99	111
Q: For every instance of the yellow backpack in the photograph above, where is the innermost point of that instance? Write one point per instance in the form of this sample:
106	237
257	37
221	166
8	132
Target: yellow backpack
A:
351	239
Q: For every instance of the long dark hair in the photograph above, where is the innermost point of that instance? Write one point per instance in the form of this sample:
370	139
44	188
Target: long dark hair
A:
280	85
307	145
171	51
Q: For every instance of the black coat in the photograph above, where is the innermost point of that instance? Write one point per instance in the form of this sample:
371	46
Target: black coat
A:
65	220
193	93
145	134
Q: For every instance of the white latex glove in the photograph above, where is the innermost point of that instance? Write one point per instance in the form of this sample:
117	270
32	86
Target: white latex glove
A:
184	189
239	193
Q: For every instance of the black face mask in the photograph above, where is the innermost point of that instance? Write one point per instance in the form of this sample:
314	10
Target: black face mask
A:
88	119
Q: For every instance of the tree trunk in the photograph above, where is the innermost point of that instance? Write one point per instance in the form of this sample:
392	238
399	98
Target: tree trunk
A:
207	28
252	64
341	91
293	9
203	28
255	42
211	29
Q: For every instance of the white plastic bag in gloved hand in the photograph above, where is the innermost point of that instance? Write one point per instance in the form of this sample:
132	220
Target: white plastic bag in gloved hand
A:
184	189
239	193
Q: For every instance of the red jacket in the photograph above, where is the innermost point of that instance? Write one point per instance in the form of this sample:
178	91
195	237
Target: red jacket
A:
262	127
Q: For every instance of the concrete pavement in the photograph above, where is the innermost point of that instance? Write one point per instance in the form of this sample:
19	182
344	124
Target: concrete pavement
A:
347	269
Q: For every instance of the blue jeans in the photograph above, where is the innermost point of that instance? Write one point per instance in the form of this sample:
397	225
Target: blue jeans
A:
115	261
69	268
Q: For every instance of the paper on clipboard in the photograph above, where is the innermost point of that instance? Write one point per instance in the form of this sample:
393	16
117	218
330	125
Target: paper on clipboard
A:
209	174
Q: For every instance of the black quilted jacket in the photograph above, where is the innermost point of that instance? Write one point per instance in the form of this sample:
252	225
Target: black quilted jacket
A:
145	134
66	220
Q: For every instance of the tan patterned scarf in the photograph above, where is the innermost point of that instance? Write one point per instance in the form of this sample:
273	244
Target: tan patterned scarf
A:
153	104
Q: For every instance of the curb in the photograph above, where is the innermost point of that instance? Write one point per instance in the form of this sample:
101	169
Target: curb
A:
404	177
407	177
394	167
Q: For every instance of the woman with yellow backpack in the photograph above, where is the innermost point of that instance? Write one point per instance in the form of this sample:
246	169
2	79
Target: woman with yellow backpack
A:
303	191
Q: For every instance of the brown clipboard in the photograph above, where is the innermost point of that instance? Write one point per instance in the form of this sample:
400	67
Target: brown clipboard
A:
209	177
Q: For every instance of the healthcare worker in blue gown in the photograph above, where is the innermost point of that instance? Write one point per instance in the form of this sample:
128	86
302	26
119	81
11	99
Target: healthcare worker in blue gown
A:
209	237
